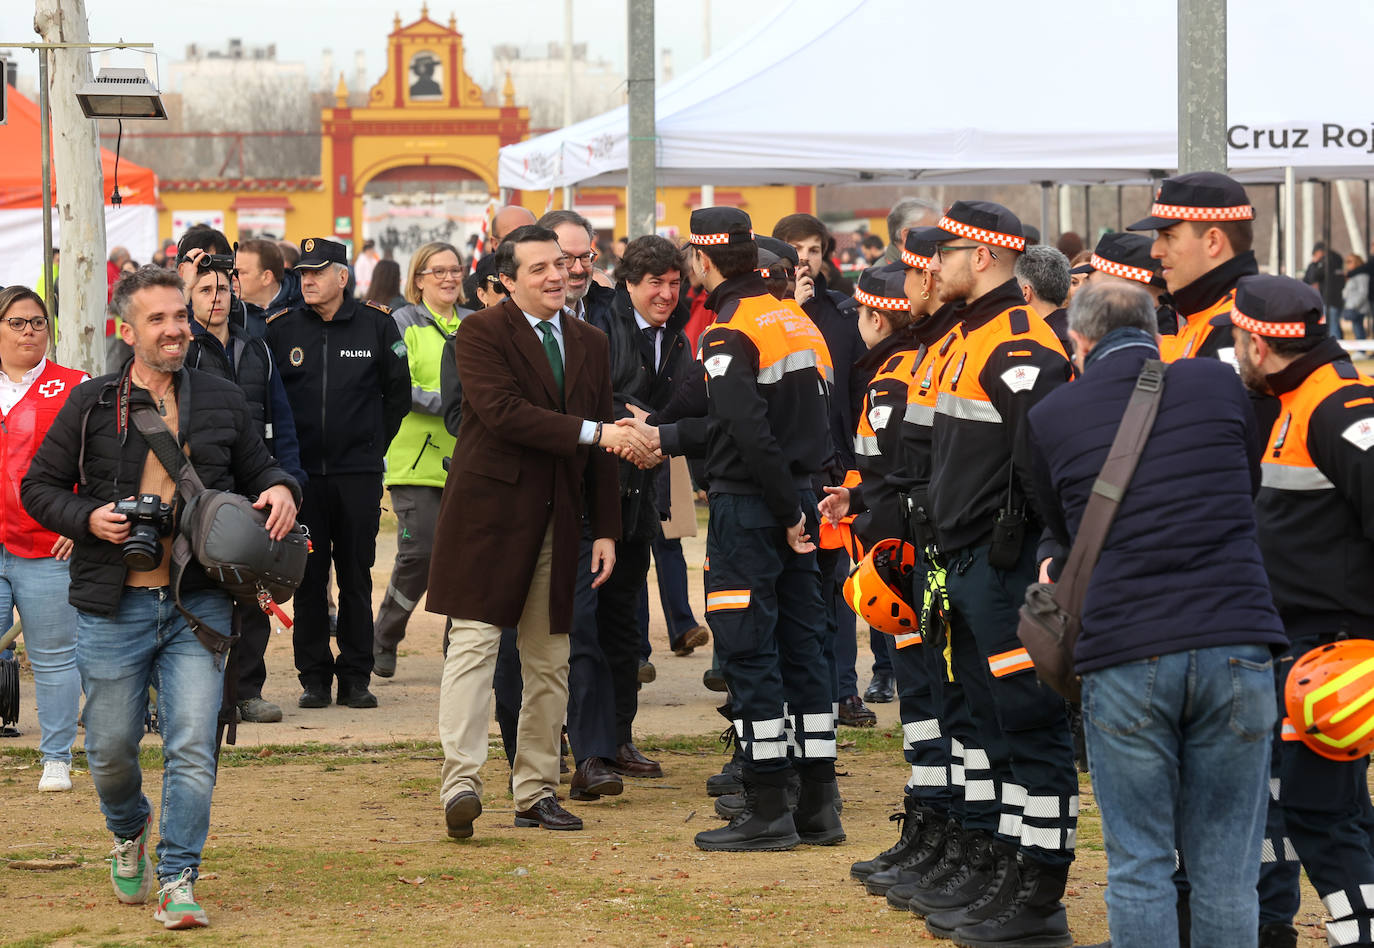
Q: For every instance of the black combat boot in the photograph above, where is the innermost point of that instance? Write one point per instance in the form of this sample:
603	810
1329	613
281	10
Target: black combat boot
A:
1001	888
1278	935
729	780
963	886
764	825
911	821
1032	918
951	860
927	849
817	811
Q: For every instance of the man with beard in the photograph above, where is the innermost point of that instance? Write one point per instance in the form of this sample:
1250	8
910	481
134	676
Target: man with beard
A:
129	634
1002	360
587	299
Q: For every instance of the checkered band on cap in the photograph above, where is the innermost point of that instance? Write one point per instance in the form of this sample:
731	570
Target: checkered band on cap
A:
709	239
882	302
1181	212
980	235
915	260
1261	328
1121	269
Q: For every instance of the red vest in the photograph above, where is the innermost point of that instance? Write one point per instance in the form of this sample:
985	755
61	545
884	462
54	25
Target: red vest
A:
21	432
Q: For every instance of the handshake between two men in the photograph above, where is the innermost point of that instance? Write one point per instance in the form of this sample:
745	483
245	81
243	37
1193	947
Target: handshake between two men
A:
633	439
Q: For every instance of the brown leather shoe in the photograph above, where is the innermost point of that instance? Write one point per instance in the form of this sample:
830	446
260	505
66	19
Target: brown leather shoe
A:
691	640
460	811
630	762
547	814
594	780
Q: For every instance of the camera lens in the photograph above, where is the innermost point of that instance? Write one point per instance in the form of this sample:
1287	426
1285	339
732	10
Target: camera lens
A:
143	549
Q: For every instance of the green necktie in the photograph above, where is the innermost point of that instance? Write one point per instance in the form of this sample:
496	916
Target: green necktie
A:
555	357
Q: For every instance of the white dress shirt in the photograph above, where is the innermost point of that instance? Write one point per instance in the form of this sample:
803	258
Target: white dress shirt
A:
588	433
11	392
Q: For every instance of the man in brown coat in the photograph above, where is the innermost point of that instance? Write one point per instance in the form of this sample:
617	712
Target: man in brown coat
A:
536	427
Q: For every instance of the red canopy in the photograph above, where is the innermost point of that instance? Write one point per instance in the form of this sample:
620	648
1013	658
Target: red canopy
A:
21	172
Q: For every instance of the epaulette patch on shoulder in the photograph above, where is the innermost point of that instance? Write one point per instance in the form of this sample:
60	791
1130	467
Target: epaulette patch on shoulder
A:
1020	322
279	313
891	364
1345	369
382	307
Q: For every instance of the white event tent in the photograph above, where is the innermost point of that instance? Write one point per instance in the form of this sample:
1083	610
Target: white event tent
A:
991	91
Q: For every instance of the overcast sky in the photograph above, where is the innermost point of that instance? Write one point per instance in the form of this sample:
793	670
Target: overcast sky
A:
304	28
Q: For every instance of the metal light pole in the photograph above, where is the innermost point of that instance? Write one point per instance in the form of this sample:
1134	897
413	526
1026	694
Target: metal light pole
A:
641	215
1201	85
45	143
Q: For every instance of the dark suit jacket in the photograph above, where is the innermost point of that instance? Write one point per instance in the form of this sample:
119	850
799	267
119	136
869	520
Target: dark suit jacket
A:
517	465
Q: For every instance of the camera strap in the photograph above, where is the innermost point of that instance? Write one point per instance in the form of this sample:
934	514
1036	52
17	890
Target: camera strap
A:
189	486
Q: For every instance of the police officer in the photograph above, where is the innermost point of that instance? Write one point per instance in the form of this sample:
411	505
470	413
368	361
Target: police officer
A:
1315	513
1203	234
344	367
223	348
765	437
1001	360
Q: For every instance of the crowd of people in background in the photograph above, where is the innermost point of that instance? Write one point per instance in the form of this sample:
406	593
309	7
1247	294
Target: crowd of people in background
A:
910	448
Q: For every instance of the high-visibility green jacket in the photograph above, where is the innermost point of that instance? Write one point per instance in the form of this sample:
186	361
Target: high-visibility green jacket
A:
417	453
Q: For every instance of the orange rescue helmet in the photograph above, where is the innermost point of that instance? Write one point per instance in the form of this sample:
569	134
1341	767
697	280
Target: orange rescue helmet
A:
1330	699
877	586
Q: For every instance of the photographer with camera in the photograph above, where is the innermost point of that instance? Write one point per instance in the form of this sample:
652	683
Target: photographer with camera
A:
96	479
223	348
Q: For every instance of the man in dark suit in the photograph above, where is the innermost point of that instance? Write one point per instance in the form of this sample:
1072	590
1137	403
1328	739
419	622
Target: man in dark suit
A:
536	426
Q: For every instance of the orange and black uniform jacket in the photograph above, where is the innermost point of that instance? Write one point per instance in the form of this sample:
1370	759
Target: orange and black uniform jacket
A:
1209	295
768	375
1315	508
1003	360
937	337
878	442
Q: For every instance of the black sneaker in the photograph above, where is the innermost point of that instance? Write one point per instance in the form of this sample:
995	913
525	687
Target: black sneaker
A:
313	697
356	696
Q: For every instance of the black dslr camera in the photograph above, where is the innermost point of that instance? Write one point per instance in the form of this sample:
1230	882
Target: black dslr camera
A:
149	521
222	262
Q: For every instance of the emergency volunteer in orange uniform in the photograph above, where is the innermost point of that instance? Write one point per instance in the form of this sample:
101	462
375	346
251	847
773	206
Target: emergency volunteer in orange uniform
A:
1122	256
1203	234
1315	514
1004	359
765	437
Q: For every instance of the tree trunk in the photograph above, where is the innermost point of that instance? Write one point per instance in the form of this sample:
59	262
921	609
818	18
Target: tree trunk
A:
79	186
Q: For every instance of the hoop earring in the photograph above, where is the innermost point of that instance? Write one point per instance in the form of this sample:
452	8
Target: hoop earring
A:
925	294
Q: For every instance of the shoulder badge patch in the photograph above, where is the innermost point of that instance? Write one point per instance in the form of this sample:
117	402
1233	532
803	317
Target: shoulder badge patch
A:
378	306
279	313
1020	322
1021	378
399	348
878	416
1360	434
717	364
296	356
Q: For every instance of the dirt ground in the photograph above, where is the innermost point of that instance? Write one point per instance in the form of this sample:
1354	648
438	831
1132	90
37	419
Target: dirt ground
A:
327	829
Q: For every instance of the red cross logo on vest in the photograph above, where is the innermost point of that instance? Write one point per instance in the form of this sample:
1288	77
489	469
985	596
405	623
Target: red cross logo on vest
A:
52	387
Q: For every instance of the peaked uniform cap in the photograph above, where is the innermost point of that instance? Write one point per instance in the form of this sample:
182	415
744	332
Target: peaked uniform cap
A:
1276	307
919	248
982	222
718	226
1128	256
316	252
780	249
883	288
1198	196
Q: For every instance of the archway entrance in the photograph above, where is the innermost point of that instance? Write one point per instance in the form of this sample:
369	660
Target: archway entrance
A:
407	207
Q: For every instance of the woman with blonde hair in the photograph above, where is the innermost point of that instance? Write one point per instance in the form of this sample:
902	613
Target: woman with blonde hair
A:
415	461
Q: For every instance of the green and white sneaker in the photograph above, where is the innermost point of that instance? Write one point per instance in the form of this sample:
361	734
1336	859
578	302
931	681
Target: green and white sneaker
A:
131	871
177	906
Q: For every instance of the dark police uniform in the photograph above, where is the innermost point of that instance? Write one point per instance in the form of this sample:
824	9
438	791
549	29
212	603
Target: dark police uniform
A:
1315	513
1204	197
1003	359
348	382
766	437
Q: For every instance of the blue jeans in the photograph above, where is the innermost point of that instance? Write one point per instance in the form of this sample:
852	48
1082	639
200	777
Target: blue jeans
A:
38	589
1356	320
1179	750
1333	320
147	642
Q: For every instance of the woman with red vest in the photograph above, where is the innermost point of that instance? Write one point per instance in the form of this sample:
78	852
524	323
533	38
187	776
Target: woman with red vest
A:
33	561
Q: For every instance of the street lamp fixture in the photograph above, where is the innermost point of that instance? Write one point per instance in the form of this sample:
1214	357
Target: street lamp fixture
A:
121	94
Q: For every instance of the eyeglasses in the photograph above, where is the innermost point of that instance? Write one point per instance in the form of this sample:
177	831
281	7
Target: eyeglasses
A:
942	250
444	273
586	259
17	323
